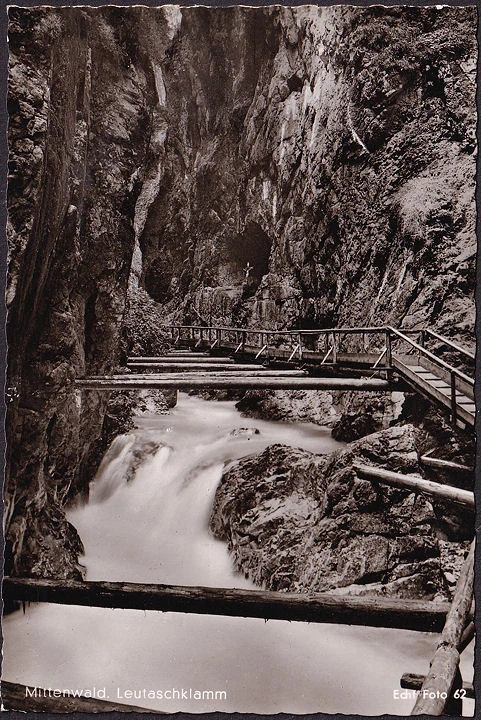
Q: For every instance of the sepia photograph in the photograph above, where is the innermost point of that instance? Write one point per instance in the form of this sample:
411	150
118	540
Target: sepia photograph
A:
240	429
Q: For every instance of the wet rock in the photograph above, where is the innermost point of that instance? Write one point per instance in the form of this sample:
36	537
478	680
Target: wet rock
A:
295	520
318	407
343	177
244	432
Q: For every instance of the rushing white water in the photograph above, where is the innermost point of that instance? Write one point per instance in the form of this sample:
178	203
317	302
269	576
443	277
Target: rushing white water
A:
154	528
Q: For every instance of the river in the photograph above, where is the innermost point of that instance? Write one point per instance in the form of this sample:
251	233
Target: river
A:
154	528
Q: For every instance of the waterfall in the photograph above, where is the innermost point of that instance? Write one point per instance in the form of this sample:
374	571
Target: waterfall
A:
152	526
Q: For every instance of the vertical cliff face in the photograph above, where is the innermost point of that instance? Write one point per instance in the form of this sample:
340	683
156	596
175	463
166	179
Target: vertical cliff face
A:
81	97
332	149
290	167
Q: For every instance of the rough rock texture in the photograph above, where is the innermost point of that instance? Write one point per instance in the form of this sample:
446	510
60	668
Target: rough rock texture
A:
332	149
319	407
143	332
295	520
81	98
350	415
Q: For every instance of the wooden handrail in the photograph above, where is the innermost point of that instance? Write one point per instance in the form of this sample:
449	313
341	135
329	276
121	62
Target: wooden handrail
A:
451	344
387	330
431	356
250	331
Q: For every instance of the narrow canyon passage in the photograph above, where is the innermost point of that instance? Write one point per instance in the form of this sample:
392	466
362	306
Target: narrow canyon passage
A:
154	528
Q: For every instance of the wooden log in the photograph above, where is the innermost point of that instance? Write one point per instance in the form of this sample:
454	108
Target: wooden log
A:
416	483
467	637
170	353
262	383
440	464
203	367
176	360
19	697
411	681
214	373
419	615
438	683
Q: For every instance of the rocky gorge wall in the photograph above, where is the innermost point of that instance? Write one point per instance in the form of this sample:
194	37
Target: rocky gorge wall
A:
331	149
81	96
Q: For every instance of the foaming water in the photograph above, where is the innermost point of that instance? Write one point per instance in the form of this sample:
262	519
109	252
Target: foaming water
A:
154	528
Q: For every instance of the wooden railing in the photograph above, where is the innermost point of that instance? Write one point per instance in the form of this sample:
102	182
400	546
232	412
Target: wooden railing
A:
327	341
331	339
446	341
458	380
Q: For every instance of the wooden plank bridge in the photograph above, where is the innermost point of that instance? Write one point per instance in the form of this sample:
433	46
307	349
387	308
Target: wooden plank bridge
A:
361	359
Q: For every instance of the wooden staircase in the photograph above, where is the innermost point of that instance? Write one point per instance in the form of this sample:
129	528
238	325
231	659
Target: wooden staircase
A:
446	386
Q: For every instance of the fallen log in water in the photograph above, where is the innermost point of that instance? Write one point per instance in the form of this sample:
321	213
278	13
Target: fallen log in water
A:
416	483
438	683
420	615
191	380
29	698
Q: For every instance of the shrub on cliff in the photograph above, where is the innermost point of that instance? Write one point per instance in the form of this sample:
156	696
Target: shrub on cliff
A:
143	333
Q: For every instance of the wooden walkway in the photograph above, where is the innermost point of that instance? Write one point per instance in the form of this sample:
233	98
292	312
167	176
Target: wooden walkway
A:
362	359
410	357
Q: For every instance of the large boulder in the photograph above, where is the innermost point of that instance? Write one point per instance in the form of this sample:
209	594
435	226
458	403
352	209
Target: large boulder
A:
294	520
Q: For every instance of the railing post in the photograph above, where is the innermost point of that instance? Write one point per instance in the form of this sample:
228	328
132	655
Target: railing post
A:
453	398
300	345
334	349
244	337
388	349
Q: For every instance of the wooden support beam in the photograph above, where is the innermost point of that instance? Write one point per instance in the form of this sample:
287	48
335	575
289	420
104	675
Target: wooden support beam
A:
419	615
191	380
215	373
467	636
175	360
411	681
440	464
416	484
170	354
201	366
16	697
438	683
